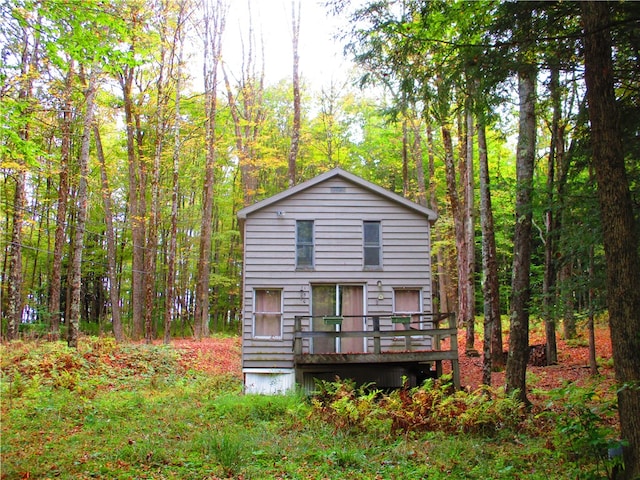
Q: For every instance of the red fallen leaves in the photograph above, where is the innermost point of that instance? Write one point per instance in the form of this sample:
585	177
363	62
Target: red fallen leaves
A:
222	355
217	356
573	362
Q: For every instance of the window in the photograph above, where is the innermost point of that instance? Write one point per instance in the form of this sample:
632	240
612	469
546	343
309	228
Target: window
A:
372	244
267	313
304	244
407	304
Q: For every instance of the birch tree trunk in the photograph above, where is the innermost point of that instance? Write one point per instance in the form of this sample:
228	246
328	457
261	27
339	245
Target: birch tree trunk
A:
81	214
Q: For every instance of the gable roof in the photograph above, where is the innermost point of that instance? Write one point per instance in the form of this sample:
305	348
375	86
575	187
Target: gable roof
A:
338	172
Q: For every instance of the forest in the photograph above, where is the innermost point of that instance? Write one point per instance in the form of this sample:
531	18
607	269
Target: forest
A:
125	156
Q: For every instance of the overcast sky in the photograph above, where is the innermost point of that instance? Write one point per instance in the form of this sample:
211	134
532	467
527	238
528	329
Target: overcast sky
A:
320	56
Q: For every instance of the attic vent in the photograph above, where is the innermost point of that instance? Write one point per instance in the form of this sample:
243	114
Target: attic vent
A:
338	189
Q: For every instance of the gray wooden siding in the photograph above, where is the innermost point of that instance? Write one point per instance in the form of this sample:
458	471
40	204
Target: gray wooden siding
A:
269	262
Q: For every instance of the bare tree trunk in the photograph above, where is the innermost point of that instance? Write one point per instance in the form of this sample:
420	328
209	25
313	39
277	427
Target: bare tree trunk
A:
442	276
295	132
492	342
176	64
522	245
61	213
549	279
151	250
619	227
30	47
214	21
417	157
114	287
136	215
81	214
458	221
469	224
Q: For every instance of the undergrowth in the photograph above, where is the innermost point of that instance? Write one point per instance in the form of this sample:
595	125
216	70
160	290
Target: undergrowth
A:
139	411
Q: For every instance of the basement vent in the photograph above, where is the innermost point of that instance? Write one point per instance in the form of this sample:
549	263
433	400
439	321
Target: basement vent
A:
338	189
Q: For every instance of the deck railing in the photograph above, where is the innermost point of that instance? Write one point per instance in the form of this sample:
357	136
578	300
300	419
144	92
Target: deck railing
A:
441	326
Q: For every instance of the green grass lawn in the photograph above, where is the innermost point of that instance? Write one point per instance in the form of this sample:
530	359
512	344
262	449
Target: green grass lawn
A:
136	411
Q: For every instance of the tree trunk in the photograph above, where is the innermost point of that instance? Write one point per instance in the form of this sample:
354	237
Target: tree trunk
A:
61	212
176	62
136	213
470	257
549	278
30	47
81	215
618	225
151	250
519	322
458	221
295	132
114	287
442	277
214	19
492	348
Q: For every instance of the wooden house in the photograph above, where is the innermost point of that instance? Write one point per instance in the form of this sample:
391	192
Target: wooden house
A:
337	281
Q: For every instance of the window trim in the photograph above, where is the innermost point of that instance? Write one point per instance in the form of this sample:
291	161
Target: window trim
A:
377	245
279	313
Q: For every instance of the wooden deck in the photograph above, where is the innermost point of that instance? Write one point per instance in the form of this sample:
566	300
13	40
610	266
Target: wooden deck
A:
412	357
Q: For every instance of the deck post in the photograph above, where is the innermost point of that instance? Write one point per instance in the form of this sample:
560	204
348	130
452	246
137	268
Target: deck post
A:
376	334
297	338
455	366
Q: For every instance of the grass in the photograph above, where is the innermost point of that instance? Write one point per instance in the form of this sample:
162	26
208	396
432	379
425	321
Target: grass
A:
133	412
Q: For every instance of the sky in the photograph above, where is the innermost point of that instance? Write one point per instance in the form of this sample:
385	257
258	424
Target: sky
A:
321	58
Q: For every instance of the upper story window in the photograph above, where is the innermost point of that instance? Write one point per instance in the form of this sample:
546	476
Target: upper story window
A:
304	244
372	239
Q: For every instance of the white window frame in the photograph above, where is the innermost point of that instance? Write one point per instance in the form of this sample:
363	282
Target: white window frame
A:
278	313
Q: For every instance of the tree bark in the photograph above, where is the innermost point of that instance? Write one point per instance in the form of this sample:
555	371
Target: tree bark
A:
29	56
522	245
176	63
492	341
442	276
469	225
458	221
295	132
619	226
61	211
136	213
81	214
114	286
214	27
